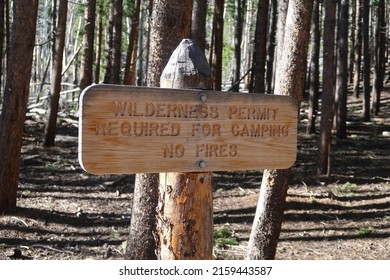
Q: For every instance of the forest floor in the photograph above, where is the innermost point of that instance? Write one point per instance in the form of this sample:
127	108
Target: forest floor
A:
66	213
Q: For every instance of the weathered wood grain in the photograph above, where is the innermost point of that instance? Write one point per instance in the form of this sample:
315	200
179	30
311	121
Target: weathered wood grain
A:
125	129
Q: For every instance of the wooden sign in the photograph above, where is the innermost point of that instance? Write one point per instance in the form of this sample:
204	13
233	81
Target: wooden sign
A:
125	130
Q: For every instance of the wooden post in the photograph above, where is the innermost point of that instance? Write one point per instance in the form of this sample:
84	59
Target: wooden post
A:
185	210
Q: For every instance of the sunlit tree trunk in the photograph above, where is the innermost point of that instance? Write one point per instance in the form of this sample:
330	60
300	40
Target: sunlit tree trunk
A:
366	61
13	114
289	81
51	123
130	75
358	49
170	23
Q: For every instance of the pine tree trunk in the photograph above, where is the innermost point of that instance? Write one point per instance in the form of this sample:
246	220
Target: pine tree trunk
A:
86	67
342	71
129	76
99	38
141	244
314	82
237	45
260	52
170	23
358	49
13	114
290	81
366	61
218	44
271	47
2	36
379	58
327	109
51	124
198	23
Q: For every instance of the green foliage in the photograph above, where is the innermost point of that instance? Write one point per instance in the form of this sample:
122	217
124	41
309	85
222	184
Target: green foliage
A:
365	231
223	238
349	187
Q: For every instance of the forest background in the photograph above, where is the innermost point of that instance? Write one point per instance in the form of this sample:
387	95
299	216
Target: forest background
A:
347	62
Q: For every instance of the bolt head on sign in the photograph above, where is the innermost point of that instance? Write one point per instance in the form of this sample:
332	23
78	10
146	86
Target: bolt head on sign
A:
127	129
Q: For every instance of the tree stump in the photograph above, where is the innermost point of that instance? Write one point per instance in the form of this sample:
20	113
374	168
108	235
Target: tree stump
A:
185	208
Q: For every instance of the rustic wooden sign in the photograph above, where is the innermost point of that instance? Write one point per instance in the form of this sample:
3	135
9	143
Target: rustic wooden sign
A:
125	130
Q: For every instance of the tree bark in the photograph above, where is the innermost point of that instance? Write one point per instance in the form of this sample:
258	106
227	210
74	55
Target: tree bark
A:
114	54
86	68
290	81
185	211
141	243
237	45
218	44
327	108
271	47
2	36
51	124
260	51
314	83
130	75
99	42
282	13
366	61
342	70
358	48
379	57
16	94
170	23
198	23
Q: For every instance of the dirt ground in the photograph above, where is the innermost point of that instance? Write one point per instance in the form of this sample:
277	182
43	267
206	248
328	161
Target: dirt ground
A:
65	213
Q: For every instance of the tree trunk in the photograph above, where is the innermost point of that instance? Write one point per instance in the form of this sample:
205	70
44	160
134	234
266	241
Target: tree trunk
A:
260	52
379	57
290	81
185	211
327	109
237	45
358	49
248	45
114	54
314	83
2	36
51	124
282	13
170	23
271	47
198	23
141	243
16	94
88	43
342	70
218	44
366	61
99	44
352	4
130	75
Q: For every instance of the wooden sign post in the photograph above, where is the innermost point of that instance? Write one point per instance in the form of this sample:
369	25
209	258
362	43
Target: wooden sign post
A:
190	132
